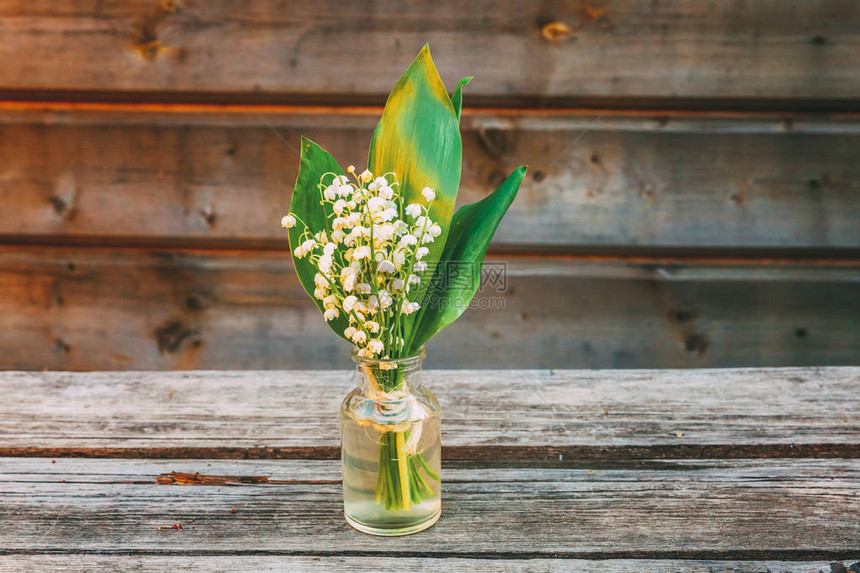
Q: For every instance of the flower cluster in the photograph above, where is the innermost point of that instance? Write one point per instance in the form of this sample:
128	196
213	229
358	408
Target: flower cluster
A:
369	256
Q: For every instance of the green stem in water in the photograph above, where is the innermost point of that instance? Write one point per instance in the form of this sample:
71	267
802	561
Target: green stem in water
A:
394	472
403	471
399	482
381	489
433	475
416	484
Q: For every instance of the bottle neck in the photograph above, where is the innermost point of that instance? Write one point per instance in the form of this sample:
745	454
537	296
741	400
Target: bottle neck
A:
388	379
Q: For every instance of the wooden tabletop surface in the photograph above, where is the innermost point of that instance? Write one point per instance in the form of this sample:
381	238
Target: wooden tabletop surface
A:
658	470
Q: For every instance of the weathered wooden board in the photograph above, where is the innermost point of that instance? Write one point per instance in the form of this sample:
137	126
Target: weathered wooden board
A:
526	416
302	564
633	181
739	509
791	48
138	309
625	513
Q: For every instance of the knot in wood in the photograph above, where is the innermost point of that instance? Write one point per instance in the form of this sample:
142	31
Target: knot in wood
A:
555	31
149	50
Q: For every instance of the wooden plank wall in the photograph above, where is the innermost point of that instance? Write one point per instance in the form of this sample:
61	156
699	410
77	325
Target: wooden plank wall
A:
692	198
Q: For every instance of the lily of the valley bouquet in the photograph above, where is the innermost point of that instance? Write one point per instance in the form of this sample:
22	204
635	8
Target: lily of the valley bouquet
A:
389	264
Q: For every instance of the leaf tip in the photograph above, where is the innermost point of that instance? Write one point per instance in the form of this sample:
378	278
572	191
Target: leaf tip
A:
519	173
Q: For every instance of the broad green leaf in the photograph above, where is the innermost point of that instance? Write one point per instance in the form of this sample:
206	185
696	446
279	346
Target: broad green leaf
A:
458	274
457	96
418	138
305	204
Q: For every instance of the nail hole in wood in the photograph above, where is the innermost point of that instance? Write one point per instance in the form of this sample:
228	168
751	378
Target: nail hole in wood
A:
58	204
698	343
208	216
683	316
194	303
149	50
171	336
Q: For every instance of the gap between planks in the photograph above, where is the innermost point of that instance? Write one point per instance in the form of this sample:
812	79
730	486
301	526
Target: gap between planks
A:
707	558
80	561
471	456
118	99
658	118
632	254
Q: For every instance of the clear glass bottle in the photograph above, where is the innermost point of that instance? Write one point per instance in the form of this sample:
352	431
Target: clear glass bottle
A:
390	448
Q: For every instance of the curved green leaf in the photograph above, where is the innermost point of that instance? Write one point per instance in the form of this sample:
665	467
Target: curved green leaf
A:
458	274
418	138
457	96
305	205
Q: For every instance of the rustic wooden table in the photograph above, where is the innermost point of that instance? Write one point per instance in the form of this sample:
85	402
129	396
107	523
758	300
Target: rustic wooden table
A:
739	470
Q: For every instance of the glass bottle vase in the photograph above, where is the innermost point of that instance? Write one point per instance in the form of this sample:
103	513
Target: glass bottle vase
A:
390	448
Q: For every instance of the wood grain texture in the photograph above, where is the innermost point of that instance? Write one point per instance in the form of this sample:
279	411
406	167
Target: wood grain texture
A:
160	249
140	309
301	564
626	180
702	514
547	411
768	509
537	50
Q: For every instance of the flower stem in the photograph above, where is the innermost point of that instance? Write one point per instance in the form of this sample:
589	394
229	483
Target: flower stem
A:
403	472
430	472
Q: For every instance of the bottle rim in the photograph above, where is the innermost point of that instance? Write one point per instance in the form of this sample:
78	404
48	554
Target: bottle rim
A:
412	360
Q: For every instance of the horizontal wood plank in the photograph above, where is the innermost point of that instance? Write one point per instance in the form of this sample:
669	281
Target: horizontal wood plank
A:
300	564
141	309
622	513
500	416
559	49
149	563
698	509
634	180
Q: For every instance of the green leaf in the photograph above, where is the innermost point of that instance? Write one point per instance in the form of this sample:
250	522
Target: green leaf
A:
418	138
458	274
305	205
457	96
